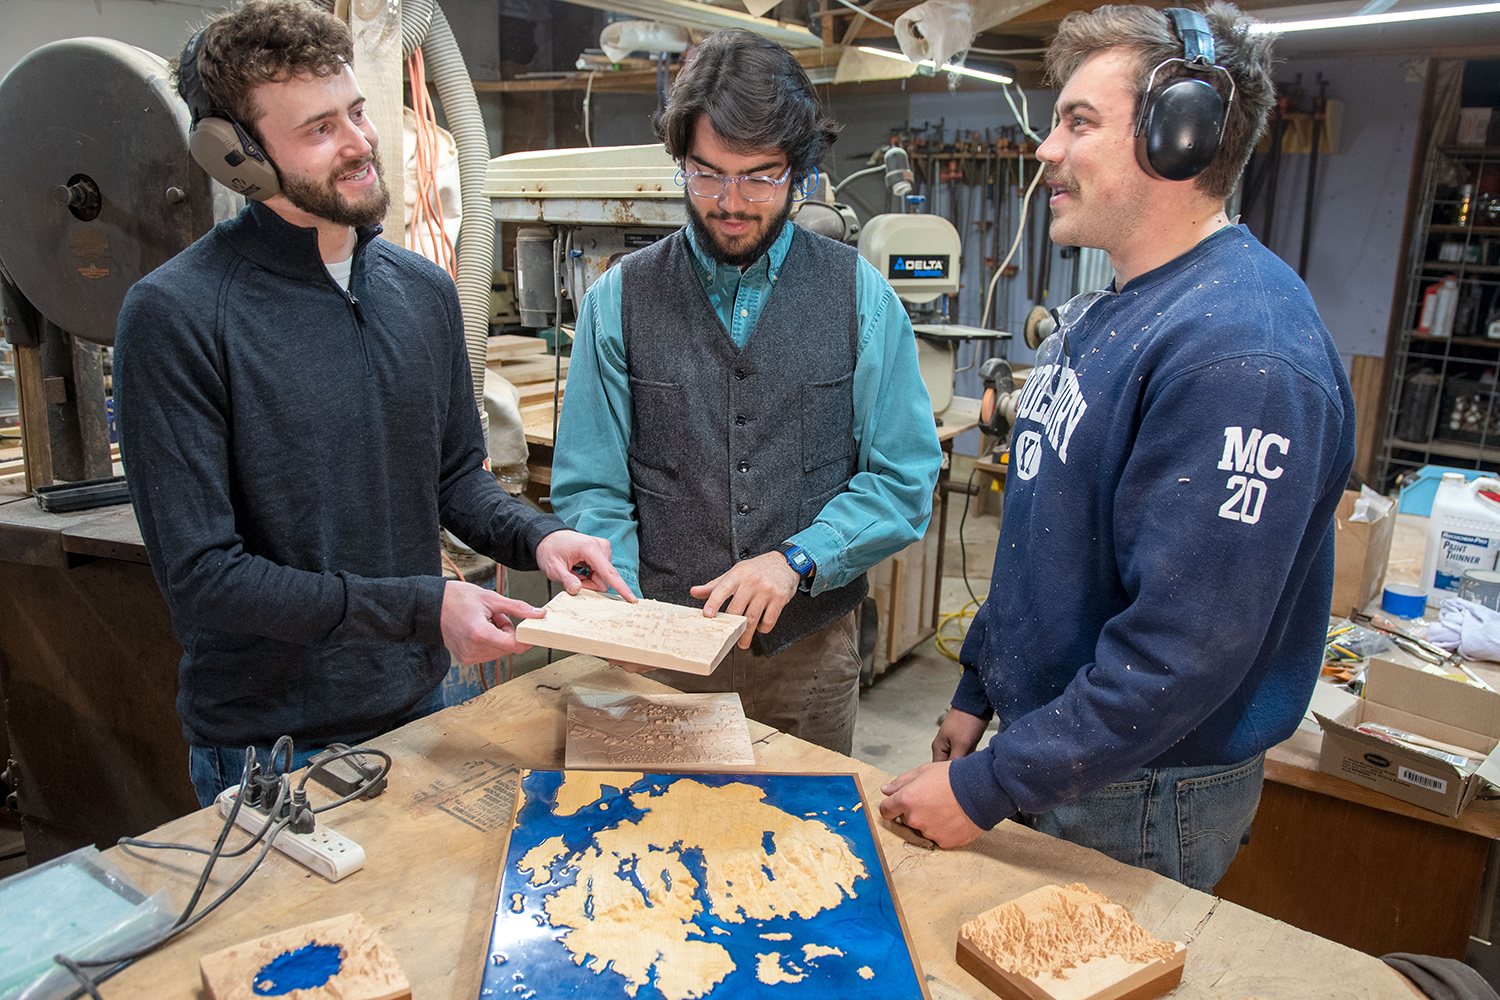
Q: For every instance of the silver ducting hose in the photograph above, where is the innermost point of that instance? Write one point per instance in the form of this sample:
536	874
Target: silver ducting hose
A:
416	17
476	234
423	24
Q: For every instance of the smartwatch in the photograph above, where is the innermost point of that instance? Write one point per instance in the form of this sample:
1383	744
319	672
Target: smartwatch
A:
800	561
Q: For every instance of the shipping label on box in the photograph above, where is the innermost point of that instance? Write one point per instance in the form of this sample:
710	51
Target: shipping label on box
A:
1458	726
1361	550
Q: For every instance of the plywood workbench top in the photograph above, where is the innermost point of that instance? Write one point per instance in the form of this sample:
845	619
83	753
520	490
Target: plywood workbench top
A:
434	843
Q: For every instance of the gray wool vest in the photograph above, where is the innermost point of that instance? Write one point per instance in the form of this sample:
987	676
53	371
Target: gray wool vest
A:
734	451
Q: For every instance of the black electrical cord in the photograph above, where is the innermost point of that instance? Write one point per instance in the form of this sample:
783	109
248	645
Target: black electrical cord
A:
364	787
245	774
187	919
120	962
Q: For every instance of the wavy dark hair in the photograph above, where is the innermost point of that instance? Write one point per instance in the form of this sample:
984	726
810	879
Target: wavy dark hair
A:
269	41
756	96
1149	34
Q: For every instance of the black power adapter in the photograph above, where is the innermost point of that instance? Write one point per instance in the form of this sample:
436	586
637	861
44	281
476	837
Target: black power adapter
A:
345	775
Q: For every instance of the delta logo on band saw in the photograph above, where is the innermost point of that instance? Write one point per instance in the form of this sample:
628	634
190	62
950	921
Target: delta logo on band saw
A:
906	266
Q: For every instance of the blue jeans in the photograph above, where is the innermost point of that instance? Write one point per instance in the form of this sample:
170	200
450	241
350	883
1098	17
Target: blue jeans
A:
213	769
1186	823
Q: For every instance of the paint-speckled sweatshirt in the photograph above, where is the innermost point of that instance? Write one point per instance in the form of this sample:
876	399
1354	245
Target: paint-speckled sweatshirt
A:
1161	584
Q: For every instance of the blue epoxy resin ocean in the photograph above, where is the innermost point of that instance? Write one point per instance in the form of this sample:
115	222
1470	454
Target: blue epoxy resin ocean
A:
306	968
679	886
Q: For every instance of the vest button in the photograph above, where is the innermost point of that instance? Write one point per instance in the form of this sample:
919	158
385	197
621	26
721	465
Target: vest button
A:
739	374
744	466
744	553
744	508
739	420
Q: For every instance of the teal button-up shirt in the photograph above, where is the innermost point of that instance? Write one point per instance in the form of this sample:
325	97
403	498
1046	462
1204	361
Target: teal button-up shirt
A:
889	499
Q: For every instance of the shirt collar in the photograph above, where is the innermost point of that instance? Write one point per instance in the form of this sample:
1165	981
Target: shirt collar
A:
771	260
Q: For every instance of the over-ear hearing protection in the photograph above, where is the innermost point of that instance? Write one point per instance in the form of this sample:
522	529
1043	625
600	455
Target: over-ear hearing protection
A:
221	145
1180	124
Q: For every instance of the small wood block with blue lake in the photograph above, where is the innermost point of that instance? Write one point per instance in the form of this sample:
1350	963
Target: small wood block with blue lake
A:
337	959
656	886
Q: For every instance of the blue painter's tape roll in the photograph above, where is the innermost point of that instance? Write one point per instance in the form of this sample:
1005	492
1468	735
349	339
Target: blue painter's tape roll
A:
1404	601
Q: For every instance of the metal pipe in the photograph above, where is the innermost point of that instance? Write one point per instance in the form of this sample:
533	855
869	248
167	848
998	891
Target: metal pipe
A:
1320	109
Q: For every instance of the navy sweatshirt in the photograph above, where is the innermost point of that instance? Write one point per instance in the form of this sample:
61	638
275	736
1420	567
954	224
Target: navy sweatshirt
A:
1162	579
291	450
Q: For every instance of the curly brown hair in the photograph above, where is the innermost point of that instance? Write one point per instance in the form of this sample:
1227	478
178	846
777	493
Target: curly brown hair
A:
1149	34
269	41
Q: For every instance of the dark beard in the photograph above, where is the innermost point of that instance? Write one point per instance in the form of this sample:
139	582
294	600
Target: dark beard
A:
710	245
324	201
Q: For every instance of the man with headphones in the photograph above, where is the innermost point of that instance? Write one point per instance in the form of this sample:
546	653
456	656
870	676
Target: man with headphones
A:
745	420
1160	596
297	419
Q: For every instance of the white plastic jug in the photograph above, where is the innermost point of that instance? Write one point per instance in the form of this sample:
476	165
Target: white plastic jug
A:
1463	533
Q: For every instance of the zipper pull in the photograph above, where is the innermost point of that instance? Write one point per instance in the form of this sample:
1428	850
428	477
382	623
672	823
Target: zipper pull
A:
359	314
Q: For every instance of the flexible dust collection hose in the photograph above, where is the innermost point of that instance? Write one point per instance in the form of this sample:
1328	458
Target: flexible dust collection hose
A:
423	25
476	233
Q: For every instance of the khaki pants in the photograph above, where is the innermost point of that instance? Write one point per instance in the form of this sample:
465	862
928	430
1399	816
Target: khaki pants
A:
810	689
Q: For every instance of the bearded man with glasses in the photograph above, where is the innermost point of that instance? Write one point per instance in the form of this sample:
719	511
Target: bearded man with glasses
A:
745	421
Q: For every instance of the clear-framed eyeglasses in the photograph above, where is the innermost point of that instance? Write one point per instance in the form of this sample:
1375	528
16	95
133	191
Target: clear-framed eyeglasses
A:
752	188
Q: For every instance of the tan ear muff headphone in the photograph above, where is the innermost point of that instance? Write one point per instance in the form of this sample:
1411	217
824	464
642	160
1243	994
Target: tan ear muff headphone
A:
219	144
1178	130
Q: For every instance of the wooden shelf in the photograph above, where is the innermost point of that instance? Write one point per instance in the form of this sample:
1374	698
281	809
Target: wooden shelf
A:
1450	268
1453	449
1447	227
1469	341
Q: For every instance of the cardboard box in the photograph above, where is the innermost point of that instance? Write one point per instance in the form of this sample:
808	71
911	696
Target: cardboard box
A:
1424	705
1361	550
1476	126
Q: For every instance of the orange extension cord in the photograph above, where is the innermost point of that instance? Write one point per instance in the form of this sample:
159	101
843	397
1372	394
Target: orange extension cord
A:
427	231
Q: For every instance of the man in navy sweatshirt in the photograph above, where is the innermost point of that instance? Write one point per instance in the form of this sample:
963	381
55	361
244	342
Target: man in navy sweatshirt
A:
1160	594
297	419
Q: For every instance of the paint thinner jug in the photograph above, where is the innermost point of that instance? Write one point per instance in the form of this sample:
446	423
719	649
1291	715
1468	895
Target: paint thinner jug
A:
1463	533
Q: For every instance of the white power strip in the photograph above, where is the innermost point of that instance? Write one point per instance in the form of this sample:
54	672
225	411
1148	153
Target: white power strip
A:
330	854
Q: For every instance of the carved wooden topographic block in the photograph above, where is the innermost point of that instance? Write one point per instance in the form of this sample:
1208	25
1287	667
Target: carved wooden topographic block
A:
651	633
658	732
337	959
1067	943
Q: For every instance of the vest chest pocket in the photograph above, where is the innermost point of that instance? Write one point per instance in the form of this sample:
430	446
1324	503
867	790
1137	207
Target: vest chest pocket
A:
659	416
827	422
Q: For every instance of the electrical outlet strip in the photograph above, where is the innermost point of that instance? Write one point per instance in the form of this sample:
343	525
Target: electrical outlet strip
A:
330	854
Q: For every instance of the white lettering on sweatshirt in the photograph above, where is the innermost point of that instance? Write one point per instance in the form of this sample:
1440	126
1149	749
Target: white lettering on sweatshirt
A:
1249	457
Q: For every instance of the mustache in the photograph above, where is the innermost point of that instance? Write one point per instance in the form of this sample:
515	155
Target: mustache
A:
1051	175
354	166
730	216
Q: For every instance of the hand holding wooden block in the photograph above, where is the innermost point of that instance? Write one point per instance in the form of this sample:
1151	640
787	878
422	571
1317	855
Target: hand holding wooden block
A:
1067	943
651	633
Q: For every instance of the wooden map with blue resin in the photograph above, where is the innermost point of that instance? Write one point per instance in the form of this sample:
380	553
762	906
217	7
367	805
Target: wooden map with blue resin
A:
680	886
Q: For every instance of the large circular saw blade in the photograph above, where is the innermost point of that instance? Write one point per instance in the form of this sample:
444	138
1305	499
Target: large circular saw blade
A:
101	116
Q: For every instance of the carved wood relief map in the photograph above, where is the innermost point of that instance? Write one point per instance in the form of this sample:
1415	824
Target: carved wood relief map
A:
670	732
653	633
680	886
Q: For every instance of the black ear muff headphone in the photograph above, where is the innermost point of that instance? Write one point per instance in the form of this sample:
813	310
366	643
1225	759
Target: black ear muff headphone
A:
1180	124
221	145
